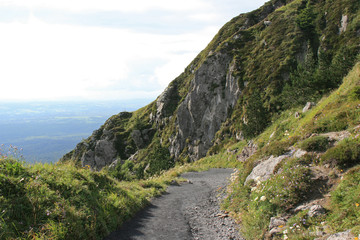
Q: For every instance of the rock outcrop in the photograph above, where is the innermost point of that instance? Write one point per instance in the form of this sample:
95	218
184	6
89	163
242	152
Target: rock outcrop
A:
102	154
213	92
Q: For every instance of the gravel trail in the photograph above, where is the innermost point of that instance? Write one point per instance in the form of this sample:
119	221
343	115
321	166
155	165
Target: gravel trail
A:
188	211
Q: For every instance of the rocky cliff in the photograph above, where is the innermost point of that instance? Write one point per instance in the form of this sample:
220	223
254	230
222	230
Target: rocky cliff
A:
208	104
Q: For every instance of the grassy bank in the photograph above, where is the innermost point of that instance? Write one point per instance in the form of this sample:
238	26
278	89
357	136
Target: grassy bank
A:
48	201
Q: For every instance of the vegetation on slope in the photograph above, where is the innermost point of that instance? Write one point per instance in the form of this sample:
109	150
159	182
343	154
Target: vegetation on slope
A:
46	201
293	182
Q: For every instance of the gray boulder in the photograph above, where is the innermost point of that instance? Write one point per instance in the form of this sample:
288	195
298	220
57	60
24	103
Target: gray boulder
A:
103	154
342	236
316	210
276	222
308	106
267	23
265	169
247	151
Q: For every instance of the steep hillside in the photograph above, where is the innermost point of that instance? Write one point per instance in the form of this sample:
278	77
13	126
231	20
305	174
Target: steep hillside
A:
260	64
299	179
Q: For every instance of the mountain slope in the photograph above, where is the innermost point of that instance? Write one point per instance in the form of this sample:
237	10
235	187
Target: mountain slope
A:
271	59
301	181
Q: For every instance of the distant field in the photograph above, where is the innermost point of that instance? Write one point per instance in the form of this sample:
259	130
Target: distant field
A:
46	131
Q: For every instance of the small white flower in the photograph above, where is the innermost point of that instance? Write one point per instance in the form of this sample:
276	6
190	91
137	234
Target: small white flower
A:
263	198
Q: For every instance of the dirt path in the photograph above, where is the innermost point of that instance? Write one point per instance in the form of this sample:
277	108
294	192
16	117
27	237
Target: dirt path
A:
188	211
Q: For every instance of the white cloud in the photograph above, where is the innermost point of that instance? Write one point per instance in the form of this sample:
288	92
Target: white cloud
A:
206	17
41	60
110	5
48	61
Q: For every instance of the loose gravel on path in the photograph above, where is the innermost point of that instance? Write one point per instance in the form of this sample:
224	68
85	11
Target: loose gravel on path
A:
188	211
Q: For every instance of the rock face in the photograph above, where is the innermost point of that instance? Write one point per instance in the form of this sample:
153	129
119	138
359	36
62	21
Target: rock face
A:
344	23
103	154
142	138
166	104
213	92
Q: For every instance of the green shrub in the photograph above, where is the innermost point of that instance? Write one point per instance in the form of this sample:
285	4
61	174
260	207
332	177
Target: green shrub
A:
305	19
159	159
11	167
123	171
256	115
317	143
344	155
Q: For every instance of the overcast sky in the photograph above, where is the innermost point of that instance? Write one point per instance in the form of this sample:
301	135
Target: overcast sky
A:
103	49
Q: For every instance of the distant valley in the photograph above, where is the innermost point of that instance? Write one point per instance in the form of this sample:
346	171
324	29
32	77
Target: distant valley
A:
45	131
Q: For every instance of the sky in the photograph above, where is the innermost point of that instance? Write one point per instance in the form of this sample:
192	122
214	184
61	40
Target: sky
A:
56	50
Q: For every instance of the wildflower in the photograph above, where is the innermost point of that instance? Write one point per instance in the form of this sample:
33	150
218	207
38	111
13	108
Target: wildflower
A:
356	204
263	198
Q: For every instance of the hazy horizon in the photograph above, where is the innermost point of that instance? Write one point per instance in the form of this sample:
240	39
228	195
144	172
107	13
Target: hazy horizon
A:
45	131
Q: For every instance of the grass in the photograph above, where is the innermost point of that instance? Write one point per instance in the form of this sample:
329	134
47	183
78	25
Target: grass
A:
345	203
47	201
